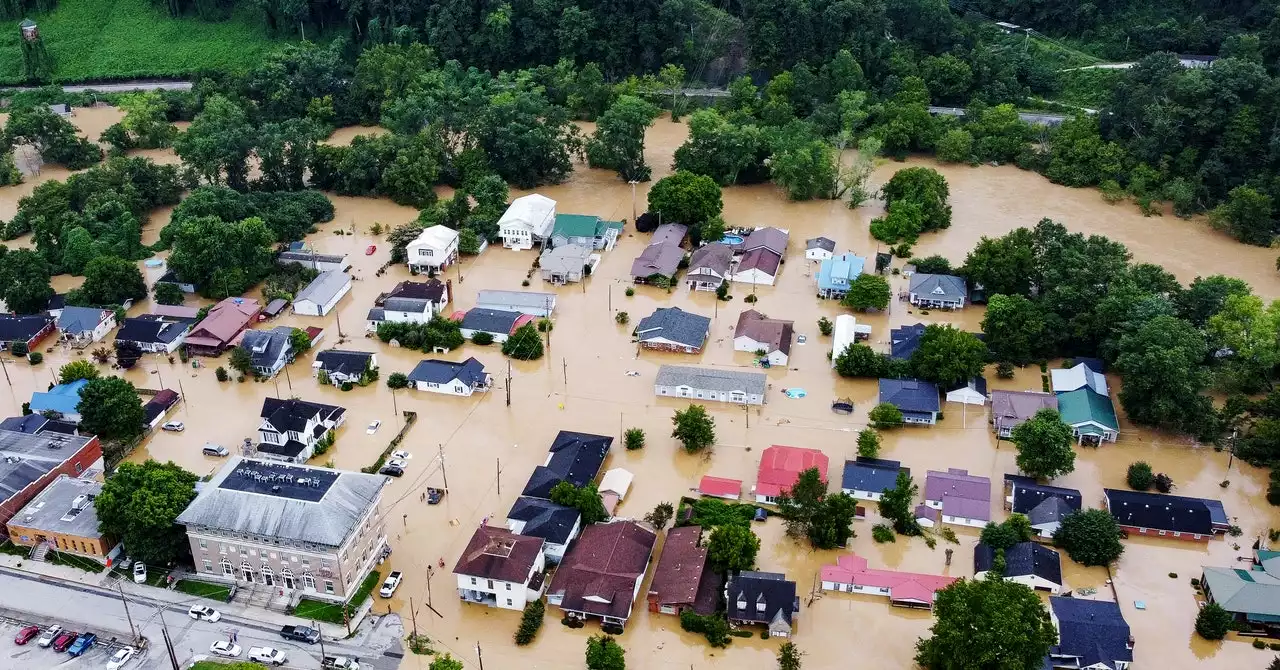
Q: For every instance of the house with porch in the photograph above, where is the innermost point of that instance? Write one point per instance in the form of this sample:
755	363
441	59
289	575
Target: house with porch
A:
1092	417
567	263
557	525
528	220
819	248
499	324
761	256
970	392
1092	635
602	573
714	384
450	378
1163	515
851	574
780	468
222	325
756	333
836	273
153	333
1009	409
657	264
585	230
82	326
500	569
917	400
1031	564
1252	596
1045	506
682	579
673	329
270	350
435	249
400	310
1079	377
961	499
937	291
762	599
709	266
290	429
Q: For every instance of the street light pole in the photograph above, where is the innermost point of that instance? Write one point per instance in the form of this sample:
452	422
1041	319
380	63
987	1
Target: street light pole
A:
633	200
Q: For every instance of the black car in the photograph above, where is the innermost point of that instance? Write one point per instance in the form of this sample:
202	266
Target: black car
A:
391	471
300	634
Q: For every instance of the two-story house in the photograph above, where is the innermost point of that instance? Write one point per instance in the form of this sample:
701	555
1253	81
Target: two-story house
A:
435	249
270	350
290	428
300	529
601	575
837	273
501	569
528	220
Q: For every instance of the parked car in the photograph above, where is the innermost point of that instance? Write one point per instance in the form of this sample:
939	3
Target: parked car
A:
139	572
300	634
174	426
373	426
339	663
224	648
398	463
211	449
24	636
369	251
267	655
64	640
434	495
120	658
401	453
391	471
391	584
82	644
49	636
202	613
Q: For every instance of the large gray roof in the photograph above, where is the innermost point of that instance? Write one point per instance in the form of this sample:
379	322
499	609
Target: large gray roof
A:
675	324
323	288
1244	591
938	287
226	507
60	508
25	458
714	379
565	258
909	395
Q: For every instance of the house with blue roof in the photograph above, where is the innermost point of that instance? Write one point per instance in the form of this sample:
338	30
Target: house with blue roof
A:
837	273
904	341
868	478
62	399
916	399
1092	635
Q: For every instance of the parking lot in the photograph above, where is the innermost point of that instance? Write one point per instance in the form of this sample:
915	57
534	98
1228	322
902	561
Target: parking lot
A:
34	657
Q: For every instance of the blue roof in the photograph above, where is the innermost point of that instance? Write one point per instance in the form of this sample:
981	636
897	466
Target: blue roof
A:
837	272
1092	630
870	474
62	398
905	340
910	395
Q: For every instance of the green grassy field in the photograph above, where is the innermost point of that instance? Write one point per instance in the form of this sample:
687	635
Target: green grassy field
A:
328	612
204	589
120	39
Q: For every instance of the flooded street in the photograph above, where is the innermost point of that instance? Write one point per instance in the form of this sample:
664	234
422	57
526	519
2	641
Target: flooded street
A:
489	449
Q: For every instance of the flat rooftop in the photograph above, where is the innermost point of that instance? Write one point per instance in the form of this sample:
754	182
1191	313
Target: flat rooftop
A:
280	480
65	507
25	458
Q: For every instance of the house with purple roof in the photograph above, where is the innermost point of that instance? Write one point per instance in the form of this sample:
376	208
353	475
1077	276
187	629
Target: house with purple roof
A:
961	498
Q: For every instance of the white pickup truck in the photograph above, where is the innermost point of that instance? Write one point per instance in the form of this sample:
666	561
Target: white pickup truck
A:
268	655
391	584
339	663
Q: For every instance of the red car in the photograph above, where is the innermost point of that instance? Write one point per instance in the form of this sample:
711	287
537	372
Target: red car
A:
372	248
65	640
26	635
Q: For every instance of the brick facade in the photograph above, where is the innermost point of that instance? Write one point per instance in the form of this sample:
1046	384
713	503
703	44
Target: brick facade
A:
73	466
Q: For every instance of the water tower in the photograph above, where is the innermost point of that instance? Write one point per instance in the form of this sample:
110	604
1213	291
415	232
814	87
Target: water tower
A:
30	32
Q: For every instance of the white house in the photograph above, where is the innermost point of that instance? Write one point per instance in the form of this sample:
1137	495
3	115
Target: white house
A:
528	220
291	428
709	266
82	326
715	384
843	335
434	249
557	525
1028	563
868	478
313	260
450	378
322	294
819	248
972	392
757	333
400	310
342	366
269	349
501	569
525	302
762	257
154	333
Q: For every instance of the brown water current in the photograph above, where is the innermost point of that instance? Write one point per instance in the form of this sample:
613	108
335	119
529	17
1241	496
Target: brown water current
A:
490	449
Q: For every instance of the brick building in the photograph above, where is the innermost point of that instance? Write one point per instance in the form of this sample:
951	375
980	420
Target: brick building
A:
30	462
63	516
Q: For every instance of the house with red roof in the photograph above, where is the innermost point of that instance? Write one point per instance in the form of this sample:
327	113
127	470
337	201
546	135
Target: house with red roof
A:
683	580
720	487
218	330
780	467
601	575
850	574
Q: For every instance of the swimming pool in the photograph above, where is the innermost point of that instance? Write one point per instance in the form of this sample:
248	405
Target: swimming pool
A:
732	239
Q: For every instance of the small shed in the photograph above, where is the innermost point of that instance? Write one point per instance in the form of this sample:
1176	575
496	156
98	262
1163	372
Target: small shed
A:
972	392
273	309
614	486
720	487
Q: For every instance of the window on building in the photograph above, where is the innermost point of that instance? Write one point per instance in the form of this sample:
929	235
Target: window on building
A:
208	565
508	602
226	567
328	586
490	581
508	586
79	468
204	544
473	581
759	607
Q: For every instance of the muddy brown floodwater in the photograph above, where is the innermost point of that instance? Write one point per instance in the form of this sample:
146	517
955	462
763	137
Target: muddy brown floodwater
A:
490	449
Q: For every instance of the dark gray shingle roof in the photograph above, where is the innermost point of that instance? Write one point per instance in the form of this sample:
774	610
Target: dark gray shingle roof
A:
910	395
675	324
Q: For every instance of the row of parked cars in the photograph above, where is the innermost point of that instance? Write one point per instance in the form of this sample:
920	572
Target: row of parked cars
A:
73	643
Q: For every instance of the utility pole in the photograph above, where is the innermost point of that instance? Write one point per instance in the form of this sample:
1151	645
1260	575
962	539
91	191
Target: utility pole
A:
132	629
394	408
414	615
479	656
442	471
287	378
508	382
633	200
338	316
430	571
313	625
168	642
498	470
564	364
6	373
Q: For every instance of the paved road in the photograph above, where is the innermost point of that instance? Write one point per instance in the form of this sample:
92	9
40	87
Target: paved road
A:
44	601
1034	118
118	87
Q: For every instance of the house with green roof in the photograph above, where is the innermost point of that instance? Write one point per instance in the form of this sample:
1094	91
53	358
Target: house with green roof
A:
1251	596
586	230
1091	416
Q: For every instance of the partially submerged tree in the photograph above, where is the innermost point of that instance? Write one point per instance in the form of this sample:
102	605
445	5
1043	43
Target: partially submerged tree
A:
1044	445
987	623
1091	537
140	503
110	408
896	505
694	428
732	547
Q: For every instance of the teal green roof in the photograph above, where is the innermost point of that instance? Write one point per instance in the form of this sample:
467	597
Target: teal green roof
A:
1083	406
582	225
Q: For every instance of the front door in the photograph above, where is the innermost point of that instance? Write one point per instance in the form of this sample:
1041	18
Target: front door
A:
288	582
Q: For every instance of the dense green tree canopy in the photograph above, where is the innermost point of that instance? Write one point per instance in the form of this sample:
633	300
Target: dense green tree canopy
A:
732	547
987	623
1044	445
685	197
1090	536
139	504
948	356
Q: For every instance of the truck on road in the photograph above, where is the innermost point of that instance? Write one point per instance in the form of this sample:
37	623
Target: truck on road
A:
268	655
339	663
300	634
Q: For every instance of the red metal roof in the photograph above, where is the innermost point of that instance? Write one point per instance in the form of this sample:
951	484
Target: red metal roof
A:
852	569
780	467
720	487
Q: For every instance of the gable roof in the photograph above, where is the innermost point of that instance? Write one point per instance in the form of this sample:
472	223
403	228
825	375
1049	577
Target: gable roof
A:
905	340
676	325
545	519
267	346
845	267
715	257
431	289
669	233
493	320
910	395
719	486
436	371
1023	559
681	567
159	404
152	329
1015	407
780	467
497	553
518	301
293	414
1081	376
976	384
81	319
820	243
600	571
771	588
574	457
938	287
770	238
1249	592
534	211
309	257
657	259
713	379
582	225
324	287
224	321
1082	406
1165	512
874	475
344	361
21	328
961	494
436	237
774	333
763	259
565	258
852	569
1040	502
63	398
1092	630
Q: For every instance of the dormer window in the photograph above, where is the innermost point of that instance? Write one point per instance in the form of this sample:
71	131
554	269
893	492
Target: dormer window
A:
760	607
